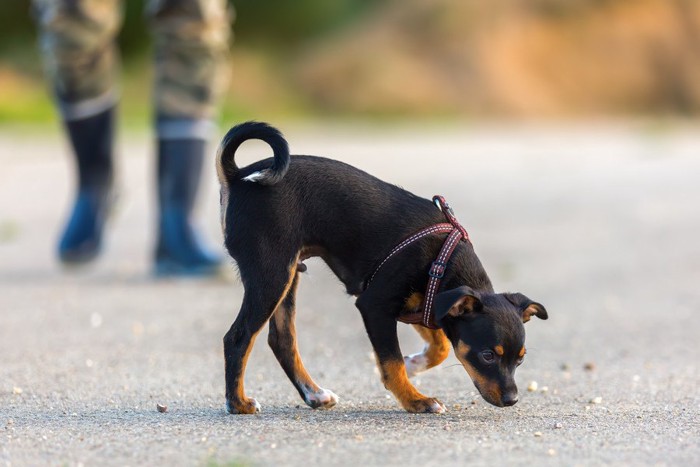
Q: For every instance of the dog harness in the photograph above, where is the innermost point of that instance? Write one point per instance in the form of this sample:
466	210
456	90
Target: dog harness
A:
456	233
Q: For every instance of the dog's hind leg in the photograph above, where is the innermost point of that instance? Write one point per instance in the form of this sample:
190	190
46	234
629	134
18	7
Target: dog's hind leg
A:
283	341
259	302
436	350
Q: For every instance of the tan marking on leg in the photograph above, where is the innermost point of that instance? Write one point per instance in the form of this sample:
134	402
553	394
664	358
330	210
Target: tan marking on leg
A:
287	353
438	345
396	380
243	404
286	329
436	350
292	270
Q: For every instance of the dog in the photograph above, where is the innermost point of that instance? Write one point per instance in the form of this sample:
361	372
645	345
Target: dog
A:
381	241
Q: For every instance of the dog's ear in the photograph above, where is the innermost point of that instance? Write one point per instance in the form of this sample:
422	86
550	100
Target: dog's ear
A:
455	302
527	307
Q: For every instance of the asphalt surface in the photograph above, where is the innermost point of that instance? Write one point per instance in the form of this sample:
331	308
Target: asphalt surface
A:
598	223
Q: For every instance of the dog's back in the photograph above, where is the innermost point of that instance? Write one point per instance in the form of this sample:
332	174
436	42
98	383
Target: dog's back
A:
327	207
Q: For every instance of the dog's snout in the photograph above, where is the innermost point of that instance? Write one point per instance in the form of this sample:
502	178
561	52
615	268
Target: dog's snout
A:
509	399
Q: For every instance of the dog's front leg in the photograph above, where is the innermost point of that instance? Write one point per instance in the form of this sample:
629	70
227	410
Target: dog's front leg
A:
437	348
381	329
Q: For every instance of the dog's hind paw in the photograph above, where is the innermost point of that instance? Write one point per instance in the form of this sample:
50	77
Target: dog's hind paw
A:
322	399
248	406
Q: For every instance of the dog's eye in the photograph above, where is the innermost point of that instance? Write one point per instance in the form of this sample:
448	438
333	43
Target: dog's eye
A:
487	356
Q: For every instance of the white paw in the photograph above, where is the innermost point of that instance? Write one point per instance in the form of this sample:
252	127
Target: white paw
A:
437	407
415	364
322	399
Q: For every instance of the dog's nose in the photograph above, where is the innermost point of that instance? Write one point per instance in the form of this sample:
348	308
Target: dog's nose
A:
509	399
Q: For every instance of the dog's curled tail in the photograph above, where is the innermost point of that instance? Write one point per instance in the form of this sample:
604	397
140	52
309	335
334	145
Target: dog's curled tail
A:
225	161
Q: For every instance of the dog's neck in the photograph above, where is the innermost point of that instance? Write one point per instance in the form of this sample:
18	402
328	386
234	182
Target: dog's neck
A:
466	269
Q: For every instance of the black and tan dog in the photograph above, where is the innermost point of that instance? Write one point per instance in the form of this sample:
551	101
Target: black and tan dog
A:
280	211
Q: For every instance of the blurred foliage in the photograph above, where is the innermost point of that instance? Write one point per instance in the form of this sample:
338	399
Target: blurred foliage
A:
285	24
512	58
414	58
279	24
273	27
15	22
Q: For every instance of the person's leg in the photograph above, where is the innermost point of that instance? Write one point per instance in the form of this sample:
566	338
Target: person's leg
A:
191	47
77	43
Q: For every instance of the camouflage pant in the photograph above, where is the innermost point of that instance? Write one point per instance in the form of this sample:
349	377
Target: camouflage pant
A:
77	40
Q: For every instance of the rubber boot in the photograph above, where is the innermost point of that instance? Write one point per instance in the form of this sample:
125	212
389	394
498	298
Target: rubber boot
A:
92	140
179	250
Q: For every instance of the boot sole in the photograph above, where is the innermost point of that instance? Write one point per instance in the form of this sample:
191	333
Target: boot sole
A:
74	259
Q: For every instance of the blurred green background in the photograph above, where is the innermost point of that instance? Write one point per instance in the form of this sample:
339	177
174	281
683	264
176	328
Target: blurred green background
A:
409	59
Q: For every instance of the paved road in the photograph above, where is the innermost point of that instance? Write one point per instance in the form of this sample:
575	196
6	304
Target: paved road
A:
599	224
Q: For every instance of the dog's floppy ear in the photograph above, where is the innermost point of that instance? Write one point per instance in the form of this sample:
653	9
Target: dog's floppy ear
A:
455	302
527	307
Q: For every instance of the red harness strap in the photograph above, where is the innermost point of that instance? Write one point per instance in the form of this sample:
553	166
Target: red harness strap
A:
457	233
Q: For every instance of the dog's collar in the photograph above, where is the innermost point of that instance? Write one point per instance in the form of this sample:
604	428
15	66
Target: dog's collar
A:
457	233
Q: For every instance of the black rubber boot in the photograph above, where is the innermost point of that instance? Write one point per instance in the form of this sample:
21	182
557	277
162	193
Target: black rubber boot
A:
179	250
92	140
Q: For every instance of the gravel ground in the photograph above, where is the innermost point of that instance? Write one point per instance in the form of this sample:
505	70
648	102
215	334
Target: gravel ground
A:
598	223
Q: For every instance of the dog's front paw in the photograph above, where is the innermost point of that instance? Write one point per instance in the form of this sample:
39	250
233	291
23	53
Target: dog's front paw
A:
427	405
322	399
247	406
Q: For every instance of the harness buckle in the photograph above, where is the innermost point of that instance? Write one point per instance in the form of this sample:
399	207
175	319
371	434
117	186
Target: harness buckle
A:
437	270
446	209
